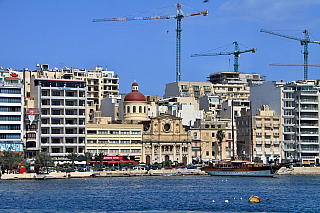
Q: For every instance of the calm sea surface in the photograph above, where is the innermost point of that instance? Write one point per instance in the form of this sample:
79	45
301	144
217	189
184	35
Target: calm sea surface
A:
162	194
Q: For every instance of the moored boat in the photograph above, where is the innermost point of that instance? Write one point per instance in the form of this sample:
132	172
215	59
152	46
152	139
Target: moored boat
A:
241	168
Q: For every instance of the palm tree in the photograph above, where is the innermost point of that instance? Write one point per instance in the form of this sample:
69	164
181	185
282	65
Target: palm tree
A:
101	155
72	157
88	157
220	136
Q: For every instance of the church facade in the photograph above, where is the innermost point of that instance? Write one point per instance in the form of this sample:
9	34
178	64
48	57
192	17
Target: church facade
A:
165	139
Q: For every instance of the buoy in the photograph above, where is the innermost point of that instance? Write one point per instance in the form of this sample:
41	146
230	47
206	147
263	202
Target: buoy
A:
226	201
213	201
254	199
240	198
234	198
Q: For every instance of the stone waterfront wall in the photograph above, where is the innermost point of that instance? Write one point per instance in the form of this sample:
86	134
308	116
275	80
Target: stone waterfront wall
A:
299	171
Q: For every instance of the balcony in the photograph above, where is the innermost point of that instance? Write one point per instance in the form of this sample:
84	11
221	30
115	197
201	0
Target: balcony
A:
276	134
268	142
288	116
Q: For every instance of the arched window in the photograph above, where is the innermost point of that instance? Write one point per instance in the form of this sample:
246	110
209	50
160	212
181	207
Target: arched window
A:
140	109
134	109
128	109
144	109
124	109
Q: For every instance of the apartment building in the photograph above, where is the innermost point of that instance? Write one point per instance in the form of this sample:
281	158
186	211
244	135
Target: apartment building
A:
205	145
115	139
62	122
200	89
298	105
11	112
262	137
301	120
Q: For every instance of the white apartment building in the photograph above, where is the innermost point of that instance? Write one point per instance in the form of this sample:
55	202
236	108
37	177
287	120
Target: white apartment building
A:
298	105
62	123
11	113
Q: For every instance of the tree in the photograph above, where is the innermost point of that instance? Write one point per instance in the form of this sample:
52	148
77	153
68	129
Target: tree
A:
72	156
9	160
43	160
88	157
220	136
101	155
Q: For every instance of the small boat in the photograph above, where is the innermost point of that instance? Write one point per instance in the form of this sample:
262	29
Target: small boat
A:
169	174
241	168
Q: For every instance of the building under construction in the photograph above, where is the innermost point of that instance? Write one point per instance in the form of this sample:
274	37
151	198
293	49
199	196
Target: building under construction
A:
235	78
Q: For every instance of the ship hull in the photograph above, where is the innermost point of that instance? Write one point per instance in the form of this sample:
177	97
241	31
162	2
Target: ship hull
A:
262	173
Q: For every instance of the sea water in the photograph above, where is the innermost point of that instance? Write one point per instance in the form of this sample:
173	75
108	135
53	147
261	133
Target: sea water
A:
294	193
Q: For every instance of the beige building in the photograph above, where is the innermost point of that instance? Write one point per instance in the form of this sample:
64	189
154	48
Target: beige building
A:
265	142
205	145
115	139
164	139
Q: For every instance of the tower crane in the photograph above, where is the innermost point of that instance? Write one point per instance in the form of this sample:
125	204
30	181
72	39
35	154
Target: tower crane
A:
236	54
304	41
179	16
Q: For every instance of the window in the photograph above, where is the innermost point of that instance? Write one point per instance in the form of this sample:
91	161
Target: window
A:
55	93
69	103
69	150
44	112
102	132
229	135
114	141
196	93
134	109
212	134
55	121
91	141
195	135
206	87
44	102
103	141
125	142
44	121
55	112
207	153
44	140
140	109
206	126
136	151
55	140
10	118
207	144
69	112
125	132
56	103
55	150
114	150
230	89
135	132
91	131
125	150
69	140
44	93
128	109
55	131
70	94
69	122
114	132
69	131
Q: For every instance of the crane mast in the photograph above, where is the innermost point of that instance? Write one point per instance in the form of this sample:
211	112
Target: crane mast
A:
178	16
303	42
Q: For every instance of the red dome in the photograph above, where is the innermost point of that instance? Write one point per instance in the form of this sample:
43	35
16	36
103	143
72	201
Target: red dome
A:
134	84
135	96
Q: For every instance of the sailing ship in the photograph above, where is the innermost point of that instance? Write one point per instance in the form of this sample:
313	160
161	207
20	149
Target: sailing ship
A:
241	168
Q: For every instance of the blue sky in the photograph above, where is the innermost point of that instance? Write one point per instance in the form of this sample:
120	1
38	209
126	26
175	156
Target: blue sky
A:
61	33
